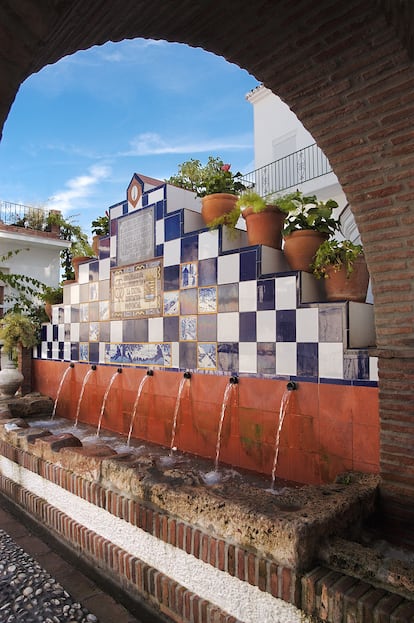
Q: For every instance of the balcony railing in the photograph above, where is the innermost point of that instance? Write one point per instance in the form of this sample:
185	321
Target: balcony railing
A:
288	172
23	216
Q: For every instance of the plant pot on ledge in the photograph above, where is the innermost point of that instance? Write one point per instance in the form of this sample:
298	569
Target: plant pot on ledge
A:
264	227
217	205
300	248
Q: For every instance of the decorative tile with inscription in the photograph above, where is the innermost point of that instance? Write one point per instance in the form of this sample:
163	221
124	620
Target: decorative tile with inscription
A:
136	290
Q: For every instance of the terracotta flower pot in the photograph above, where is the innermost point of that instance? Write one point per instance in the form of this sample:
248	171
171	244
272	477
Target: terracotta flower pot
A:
339	287
264	227
300	248
215	205
48	311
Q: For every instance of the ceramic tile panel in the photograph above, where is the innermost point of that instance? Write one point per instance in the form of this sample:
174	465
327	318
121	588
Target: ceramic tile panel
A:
188	355
188	328
74	294
247	327
172	227
171	328
373	368
112	246
189	301
266	326
207	328
172	303
265	294
266	358
116	331
286	325
171	277
331	362
356	366
247	296
207	300
83	273
189	249
307	359
248	265
74	332
135	330
228	327
286	358
307	324
208	245
104	269
189	275
207	355
67	313
228	268
228	297
175	354
228	356
248	357
286	292
331	323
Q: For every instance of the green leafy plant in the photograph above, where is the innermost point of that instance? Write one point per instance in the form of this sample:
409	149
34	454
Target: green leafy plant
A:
79	242
16	330
213	177
336	254
100	226
248	198
307	212
52	295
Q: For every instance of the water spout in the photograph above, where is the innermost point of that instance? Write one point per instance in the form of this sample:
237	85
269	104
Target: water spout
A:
85	380
291	386
186	377
62	380
282	413
137	399
108	389
229	388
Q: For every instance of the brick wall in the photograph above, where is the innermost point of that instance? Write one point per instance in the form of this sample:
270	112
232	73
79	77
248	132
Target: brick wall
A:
345	69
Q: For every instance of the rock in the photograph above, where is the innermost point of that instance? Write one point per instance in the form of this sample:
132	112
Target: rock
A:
30	405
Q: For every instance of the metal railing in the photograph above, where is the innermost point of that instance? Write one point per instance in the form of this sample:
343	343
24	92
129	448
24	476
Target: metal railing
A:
23	216
288	172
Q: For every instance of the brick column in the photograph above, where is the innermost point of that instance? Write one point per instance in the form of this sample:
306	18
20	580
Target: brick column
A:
25	367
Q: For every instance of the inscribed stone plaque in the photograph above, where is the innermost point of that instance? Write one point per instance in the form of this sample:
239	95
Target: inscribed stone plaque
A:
135	240
136	290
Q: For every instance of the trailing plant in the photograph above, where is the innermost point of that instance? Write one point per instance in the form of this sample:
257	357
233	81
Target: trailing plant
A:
251	199
335	254
79	242
307	212
24	292
100	226
52	295
213	177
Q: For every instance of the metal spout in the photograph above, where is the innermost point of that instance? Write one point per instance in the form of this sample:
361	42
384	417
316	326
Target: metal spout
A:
150	372
187	374
291	386
233	380
93	367
119	370
71	365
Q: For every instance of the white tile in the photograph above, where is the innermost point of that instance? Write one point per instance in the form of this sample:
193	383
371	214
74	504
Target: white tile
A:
286	292
373	368
247	296
156	329
74	332
228	270
286	358
55	314
307	325
156	195
208	244
49	332
67	313
74	294
104	269
102	352
84	273
116	331
172	252
43	350
66	351
175	354
248	357
116	211
331	360
61	333
228	327
112	246
266	326
159	232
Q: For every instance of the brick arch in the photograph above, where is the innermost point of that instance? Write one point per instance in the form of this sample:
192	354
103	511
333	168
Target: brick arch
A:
346	70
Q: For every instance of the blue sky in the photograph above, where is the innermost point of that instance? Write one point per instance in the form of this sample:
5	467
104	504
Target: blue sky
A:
79	129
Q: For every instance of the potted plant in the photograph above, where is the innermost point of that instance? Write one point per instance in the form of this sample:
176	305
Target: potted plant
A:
51	296
100	227
308	223
213	182
264	221
343	267
16	331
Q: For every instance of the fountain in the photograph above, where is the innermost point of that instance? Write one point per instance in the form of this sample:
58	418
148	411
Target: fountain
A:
186	377
62	380
85	380
108	389
232	382
284	403
134	410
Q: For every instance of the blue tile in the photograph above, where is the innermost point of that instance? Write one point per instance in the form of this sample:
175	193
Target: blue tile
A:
207	328
125	208
286	325
265	294
207	272
159	210
247	327
189	249
43	333
114	227
144	200
356	367
94	352
172	227
74	351
266	358
60	350
188	355
135	330
171	329
55	330
171	277
104	248
228	297
307	359
159	250
228	356
248	265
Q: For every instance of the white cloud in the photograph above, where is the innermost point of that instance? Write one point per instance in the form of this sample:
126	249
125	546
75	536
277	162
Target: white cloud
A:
150	144
77	189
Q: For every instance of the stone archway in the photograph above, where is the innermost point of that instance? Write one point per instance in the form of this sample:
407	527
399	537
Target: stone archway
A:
346	69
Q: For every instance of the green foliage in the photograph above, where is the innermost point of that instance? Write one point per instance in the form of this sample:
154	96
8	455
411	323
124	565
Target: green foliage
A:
80	245
213	177
17	329
100	226
52	295
250	199
306	212
334	253
24	291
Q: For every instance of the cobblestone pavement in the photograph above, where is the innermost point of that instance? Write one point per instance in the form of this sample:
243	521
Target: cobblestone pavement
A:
37	585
